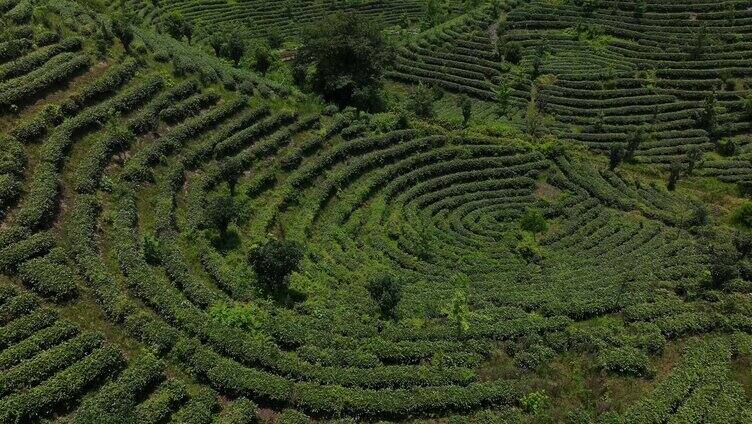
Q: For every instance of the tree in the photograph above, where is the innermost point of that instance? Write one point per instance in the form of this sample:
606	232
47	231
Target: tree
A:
533	119
458	311
262	59
723	258
748	104
216	40
533	221
275	261
467	109
151	249
385	290
615	156
274	38
121	28
421	101
220	210
537	61
188	31
233	49
636	138
503	97
742	215
434	14
347	55
674	174
512	52
708	114
727	147
701	39
693	157
529	249
176	26
639	10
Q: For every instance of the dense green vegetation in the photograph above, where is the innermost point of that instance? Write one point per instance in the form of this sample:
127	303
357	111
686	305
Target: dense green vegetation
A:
375	211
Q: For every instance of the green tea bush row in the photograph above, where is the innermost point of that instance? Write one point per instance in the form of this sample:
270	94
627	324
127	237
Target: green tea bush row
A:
52	76
188	107
12	49
36	59
41	340
137	168
204	150
110	82
117	399
148	119
18	305
10	189
64	388
32	372
158	407
49	278
240	411
266	126
26	325
21	251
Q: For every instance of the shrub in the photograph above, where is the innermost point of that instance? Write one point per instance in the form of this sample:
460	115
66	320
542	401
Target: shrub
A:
627	361
742	215
151	249
529	249
247	317
220	210
535	402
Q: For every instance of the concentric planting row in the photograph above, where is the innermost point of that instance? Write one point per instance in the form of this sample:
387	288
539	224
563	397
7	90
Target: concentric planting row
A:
670	75
114	276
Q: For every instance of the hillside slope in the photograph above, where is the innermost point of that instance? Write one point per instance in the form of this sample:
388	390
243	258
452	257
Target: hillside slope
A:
536	283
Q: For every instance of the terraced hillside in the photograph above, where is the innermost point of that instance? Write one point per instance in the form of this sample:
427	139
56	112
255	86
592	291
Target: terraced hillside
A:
258	18
141	182
670	74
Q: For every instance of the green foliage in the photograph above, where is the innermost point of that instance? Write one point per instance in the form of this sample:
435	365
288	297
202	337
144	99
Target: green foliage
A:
615	156
727	147
673	176
435	13
385	290
220	210
458	310
151	249
533	221
742	215
466	105
529	249
626	361
274	261
248	316
121	28
177	26
421	102
346	55
262	59
535	402
512	52
503	98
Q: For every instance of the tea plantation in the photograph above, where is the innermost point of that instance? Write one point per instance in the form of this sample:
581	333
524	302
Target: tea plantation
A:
493	211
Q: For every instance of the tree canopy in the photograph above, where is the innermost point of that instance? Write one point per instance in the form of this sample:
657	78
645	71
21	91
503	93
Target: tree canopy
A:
343	58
